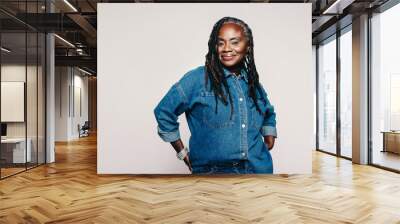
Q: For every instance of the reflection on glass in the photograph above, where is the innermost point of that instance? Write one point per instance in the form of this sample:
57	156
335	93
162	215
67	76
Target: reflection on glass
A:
22	90
13	85
31	101
327	96
346	94
41	98
386	89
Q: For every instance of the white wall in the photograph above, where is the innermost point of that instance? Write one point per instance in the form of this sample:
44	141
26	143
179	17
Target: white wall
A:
18	73
153	45
61	103
67	117
79	117
33	127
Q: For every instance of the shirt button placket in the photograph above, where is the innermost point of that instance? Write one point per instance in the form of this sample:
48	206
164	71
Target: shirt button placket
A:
243	120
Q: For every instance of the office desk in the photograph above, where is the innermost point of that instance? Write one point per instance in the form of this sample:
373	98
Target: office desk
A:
13	150
391	141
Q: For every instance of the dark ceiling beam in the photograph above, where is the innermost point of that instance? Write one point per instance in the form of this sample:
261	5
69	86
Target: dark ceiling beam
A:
84	61
329	13
49	22
321	22
84	24
91	5
332	28
15	18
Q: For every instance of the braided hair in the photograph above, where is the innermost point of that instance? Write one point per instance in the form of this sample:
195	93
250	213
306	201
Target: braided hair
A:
214	68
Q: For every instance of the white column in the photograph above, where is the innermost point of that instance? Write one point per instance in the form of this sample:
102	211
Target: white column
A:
360	90
50	92
50	110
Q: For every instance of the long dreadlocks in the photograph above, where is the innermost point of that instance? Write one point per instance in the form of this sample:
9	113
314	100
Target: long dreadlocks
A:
214	67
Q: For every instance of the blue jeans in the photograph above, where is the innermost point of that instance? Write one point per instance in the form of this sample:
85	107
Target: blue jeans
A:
238	167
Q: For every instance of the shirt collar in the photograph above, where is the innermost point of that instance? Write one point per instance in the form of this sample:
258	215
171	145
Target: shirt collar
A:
243	74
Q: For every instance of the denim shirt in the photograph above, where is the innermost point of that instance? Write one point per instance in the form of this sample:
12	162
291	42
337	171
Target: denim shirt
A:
218	137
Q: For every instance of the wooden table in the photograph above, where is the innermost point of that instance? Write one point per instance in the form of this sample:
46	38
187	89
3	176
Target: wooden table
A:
391	141
13	150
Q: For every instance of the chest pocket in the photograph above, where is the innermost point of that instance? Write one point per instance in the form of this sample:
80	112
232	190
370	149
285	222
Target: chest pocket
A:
257	118
222	118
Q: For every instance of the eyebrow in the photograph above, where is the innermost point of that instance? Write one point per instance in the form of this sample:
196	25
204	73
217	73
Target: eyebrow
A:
234	38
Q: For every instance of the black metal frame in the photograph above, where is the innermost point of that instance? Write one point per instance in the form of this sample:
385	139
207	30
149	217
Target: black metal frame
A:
37	96
316	97
369	90
337	35
338	98
0	89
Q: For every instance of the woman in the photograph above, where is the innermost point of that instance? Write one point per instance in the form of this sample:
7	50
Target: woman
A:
226	107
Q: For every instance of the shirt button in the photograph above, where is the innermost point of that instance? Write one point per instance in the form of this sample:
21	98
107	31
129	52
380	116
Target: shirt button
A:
243	125
240	99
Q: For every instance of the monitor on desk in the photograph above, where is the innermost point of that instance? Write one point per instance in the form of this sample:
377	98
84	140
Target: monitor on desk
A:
3	130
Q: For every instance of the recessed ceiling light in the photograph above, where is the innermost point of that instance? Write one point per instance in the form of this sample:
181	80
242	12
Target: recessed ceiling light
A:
70	5
337	7
5	50
64	40
84	71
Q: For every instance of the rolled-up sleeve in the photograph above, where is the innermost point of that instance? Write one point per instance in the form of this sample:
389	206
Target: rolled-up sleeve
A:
269	123
173	104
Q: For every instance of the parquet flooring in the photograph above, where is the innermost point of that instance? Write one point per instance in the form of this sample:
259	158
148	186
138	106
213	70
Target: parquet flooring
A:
10	171
70	191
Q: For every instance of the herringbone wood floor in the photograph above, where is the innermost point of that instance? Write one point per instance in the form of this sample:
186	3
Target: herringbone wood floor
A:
70	191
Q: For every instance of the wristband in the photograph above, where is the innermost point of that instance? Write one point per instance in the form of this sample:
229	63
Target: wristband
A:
182	154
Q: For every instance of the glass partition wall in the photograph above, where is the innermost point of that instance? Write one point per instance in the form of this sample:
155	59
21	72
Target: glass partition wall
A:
327	95
345	62
334	80
22	88
385	89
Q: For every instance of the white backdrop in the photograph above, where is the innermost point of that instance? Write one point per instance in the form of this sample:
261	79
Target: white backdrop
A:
143	49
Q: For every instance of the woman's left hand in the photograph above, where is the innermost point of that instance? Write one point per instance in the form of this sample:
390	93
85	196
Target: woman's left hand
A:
270	141
187	162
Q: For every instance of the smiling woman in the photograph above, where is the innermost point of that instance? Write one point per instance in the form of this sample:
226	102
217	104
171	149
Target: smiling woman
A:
226	107
232	45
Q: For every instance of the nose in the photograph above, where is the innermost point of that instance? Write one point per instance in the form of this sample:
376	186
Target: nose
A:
227	48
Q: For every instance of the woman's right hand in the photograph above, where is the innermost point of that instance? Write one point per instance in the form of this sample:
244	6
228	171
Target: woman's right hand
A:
178	146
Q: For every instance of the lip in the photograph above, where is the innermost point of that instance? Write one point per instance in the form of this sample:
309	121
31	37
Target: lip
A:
228	57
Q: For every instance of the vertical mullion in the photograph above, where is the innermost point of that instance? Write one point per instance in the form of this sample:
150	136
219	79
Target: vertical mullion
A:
26	86
0	93
37	89
69	92
369	89
338	81
73	93
317	95
45	89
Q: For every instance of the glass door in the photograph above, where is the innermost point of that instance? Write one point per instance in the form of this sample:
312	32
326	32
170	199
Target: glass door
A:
327	95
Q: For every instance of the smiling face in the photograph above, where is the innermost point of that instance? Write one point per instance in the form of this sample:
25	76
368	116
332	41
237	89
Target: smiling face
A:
232	45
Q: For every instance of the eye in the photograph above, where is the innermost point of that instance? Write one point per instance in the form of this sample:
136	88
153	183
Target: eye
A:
220	43
235	42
